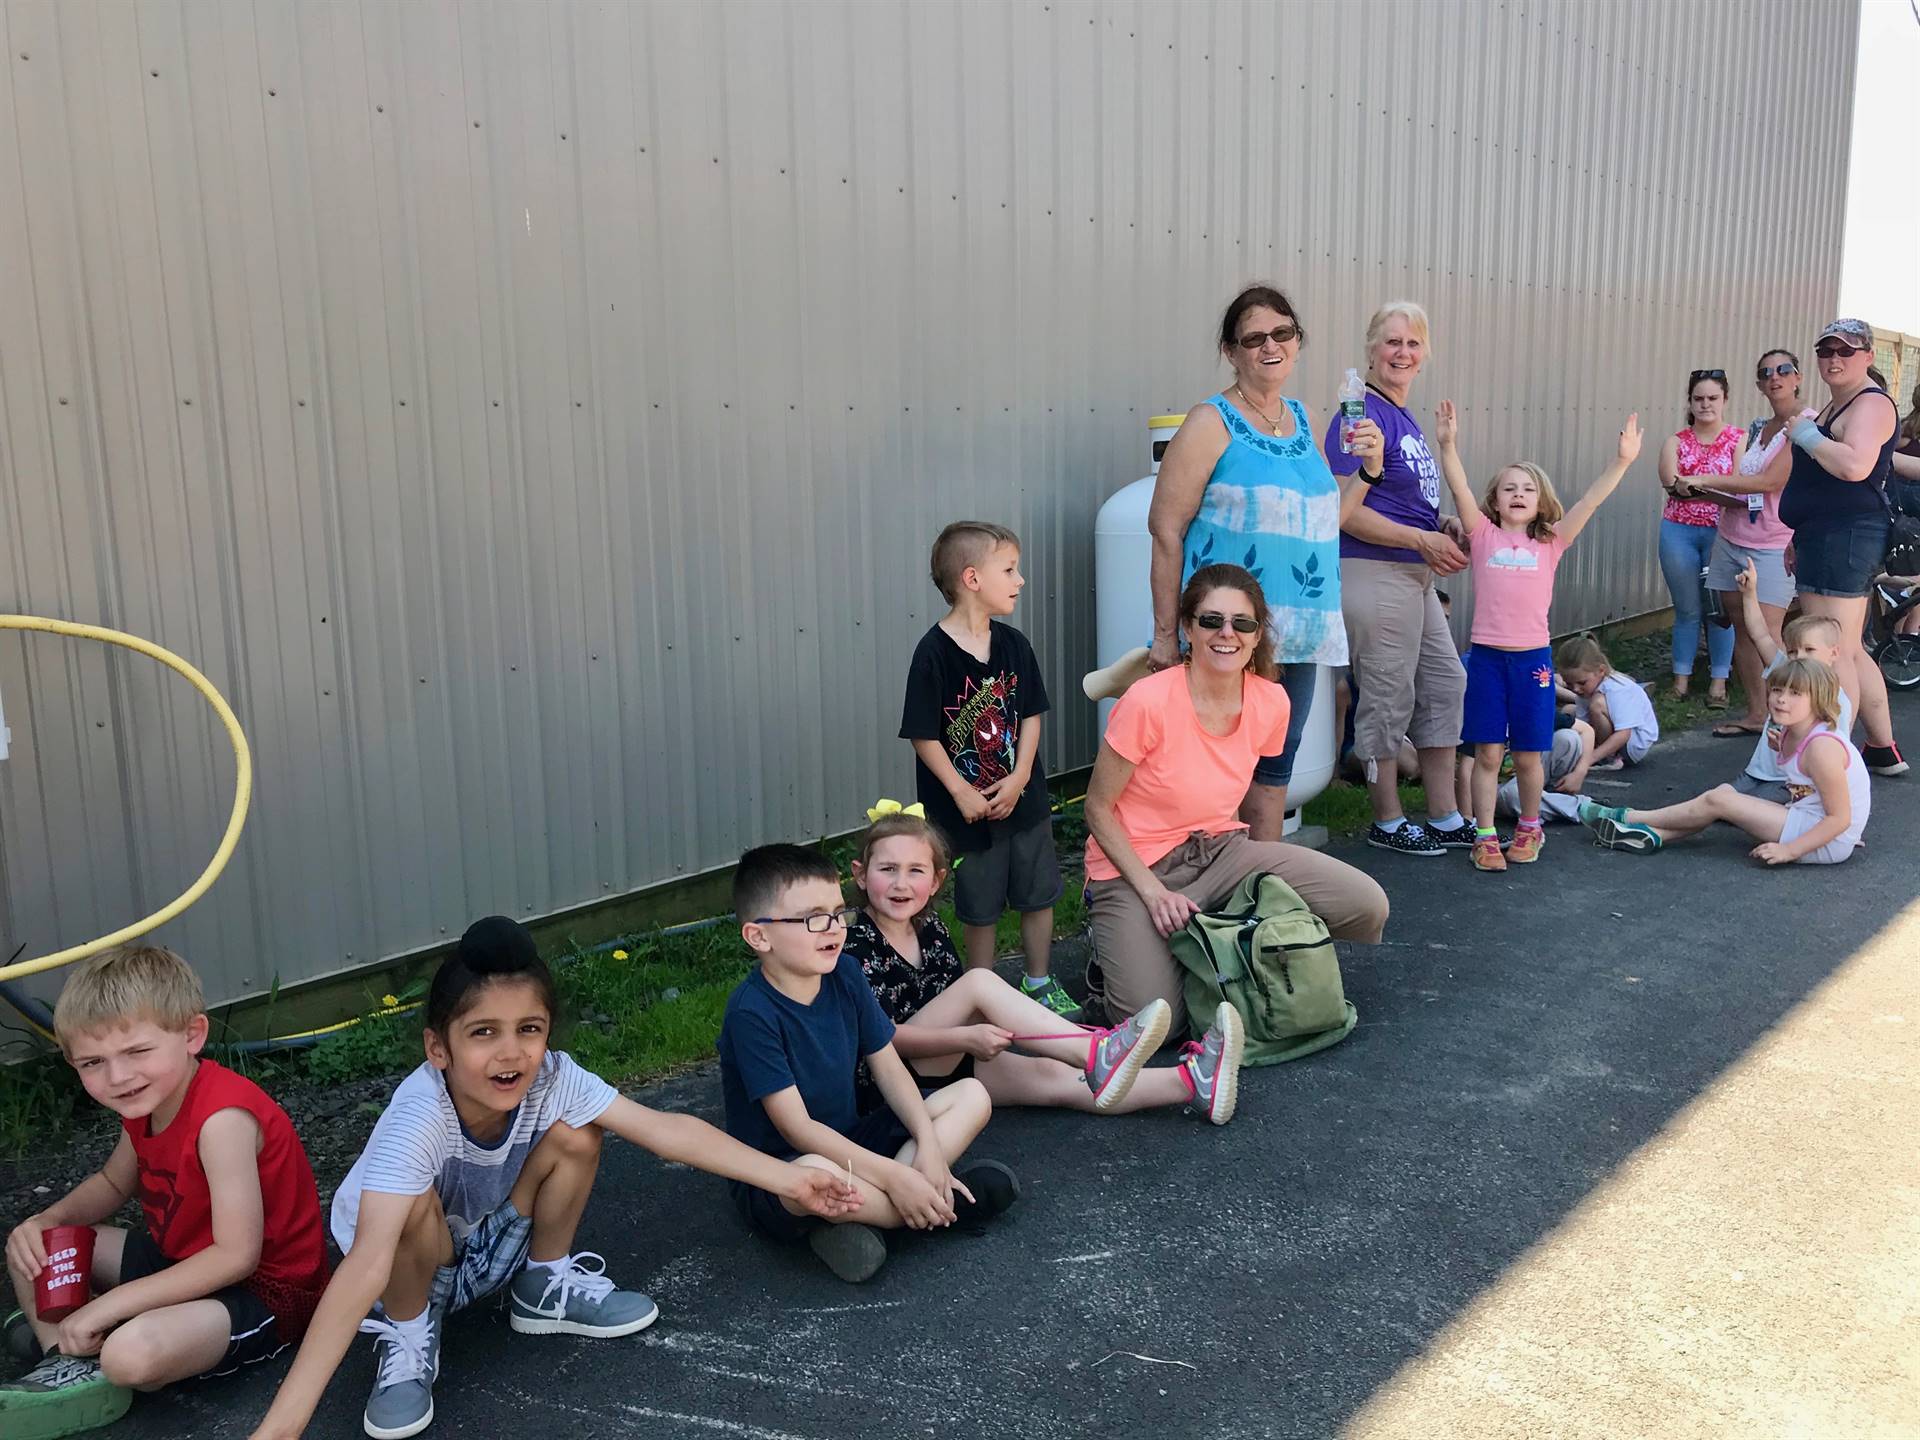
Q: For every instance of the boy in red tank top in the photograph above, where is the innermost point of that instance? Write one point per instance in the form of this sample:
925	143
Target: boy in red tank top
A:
232	1259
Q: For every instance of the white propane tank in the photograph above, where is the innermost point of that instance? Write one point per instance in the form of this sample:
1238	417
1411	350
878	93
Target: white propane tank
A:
1123	599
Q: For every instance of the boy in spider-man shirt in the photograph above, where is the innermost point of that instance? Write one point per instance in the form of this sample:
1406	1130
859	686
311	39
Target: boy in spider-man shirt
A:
973	708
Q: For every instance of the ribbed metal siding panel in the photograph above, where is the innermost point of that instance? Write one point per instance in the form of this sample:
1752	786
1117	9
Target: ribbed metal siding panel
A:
536	417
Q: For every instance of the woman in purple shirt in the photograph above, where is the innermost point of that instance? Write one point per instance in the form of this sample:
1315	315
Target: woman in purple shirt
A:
1407	677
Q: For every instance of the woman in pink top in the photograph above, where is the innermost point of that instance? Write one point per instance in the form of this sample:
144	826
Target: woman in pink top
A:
1165	839
1750	529
1708	448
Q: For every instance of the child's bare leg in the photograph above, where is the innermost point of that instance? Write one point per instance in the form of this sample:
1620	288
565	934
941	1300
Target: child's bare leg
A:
1486	781
1762	819
553	1187
960	1112
981	946
1529	768
1029	1080
1463	785
1036	938
982	995
109	1243
425	1245
175	1342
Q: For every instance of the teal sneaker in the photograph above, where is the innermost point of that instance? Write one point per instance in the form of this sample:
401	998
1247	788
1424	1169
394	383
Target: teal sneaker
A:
1628	835
577	1301
1591	814
1052	994
60	1396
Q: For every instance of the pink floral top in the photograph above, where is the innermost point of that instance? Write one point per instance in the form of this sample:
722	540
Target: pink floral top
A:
1697	459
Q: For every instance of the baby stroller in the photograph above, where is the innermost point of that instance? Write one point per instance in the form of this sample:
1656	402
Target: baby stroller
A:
1896	593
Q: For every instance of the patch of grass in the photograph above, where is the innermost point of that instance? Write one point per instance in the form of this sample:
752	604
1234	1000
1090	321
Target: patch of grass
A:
39	1097
1649	659
1343	807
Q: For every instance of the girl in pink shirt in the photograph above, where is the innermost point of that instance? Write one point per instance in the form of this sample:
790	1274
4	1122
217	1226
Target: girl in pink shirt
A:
1517	533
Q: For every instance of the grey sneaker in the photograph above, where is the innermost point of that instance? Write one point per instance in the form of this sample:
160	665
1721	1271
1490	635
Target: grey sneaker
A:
1212	1067
1116	1055
401	1402
1409	839
60	1396
577	1301
854	1252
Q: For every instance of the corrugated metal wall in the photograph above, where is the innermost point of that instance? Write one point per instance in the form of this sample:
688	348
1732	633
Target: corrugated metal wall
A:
535	417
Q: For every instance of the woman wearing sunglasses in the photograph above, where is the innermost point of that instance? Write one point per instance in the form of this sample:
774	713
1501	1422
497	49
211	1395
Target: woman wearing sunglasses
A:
1836	470
1750	529
1242	481
1165	837
1708	450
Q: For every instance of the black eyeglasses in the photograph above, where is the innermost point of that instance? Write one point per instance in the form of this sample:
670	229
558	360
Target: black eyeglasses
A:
816	924
1697	376
1214	620
1836	352
1785	367
1280	336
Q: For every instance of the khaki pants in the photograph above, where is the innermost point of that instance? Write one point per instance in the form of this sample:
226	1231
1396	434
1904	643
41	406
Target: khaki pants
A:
1407	676
1137	964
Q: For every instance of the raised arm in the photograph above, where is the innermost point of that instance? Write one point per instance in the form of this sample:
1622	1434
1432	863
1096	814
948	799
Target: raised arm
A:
1446	433
1755	623
1626	451
1195	449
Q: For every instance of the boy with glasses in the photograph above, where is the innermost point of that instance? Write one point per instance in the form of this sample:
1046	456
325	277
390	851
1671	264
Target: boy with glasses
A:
791	1041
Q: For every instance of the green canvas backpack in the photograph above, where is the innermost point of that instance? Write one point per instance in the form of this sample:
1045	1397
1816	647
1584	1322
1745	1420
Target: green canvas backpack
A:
1270	955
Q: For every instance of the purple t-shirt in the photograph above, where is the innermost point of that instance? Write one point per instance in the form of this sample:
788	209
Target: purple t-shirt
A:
1409	487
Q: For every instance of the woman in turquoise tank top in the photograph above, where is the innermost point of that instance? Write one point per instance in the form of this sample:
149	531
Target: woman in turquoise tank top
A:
1243	483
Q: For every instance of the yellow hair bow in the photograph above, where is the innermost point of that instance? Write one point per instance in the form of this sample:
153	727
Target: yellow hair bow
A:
880	809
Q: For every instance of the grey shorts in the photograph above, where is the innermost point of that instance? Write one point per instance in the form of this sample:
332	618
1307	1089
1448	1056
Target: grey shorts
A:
1729	560
1407	676
1020	870
1774	790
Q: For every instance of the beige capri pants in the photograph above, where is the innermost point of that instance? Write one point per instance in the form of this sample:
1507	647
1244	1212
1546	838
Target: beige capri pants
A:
1407	676
1136	962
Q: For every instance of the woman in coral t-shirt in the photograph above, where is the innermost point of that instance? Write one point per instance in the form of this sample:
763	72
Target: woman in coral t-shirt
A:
1165	837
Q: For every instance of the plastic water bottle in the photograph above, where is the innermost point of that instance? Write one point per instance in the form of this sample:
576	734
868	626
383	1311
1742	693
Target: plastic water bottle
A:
1353	408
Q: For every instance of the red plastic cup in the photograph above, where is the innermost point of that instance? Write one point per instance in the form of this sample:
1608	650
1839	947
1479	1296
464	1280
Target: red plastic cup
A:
67	1282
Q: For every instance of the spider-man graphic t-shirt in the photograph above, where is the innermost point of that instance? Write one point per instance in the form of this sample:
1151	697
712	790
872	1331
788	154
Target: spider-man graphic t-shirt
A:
975	711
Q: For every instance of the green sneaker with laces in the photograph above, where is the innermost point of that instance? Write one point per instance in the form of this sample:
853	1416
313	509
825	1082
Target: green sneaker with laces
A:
60	1396
1052	994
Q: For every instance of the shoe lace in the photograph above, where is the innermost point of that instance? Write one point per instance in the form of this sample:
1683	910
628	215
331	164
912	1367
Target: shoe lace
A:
1191	1054
576	1279
402	1357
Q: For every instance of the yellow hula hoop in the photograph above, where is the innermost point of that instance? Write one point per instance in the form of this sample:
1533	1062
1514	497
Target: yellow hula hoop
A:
242	794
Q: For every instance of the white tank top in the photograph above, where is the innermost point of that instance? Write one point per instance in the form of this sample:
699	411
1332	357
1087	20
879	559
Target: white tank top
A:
1804	795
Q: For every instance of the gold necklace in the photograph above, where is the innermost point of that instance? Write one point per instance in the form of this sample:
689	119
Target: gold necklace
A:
1272	423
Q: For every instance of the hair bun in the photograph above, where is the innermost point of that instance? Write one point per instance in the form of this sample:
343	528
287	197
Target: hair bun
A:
497	945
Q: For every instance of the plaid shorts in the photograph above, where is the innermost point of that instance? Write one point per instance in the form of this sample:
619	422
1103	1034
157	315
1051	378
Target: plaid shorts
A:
485	1259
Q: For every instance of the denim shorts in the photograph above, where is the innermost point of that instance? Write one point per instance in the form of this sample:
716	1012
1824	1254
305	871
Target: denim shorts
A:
1841	560
1299	681
1509	698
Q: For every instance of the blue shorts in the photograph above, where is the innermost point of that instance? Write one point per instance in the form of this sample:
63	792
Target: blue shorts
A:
1509	698
484	1259
1842	560
1299	681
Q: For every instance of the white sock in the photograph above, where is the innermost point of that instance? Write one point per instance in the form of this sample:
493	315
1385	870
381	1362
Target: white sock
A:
419	1329
1448	821
1393	825
549	1267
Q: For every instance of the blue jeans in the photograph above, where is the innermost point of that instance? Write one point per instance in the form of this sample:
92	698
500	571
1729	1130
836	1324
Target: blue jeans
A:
1684	550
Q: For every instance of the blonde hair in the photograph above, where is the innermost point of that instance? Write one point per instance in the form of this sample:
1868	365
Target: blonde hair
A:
127	984
887	827
1582	653
1813	680
1406	310
1551	510
1800	630
962	544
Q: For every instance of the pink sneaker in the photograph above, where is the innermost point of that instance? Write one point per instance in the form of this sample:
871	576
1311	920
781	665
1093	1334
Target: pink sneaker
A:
1114	1056
1212	1067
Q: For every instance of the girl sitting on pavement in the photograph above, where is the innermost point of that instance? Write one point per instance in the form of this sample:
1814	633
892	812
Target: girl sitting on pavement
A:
1517	533
1625	728
955	1022
1829	796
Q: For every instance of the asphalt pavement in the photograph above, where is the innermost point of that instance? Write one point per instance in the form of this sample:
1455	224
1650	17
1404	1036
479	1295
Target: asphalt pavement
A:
1621	1146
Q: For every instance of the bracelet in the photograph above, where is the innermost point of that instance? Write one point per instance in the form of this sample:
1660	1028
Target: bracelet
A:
1366	479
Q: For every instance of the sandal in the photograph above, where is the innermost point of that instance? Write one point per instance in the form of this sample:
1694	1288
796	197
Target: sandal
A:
1734	729
1716	702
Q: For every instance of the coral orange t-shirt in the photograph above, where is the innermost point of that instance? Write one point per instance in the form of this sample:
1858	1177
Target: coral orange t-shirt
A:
1183	778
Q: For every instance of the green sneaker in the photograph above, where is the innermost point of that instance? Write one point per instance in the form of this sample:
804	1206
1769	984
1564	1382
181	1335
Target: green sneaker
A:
60	1396
1052	994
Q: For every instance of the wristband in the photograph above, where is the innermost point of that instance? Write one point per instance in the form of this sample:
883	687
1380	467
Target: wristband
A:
1804	433
1366	479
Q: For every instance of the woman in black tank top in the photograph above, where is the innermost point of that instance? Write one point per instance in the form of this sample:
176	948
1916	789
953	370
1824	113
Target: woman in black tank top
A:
1836	500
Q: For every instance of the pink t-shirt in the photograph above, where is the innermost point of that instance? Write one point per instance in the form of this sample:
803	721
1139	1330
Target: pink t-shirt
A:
1764	532
1512	585
1183	778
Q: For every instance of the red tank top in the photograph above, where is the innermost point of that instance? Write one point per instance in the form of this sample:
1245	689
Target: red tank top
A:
178	1205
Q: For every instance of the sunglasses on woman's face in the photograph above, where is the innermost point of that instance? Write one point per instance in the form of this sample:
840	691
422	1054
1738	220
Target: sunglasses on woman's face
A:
1834	352
1280	336
1697	376
1214	620
1767	372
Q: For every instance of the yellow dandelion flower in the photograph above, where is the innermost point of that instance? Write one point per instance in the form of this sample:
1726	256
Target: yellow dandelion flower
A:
389	1001
619	954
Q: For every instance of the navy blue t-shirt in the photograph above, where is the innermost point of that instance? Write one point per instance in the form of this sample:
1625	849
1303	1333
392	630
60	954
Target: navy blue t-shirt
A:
769	1042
